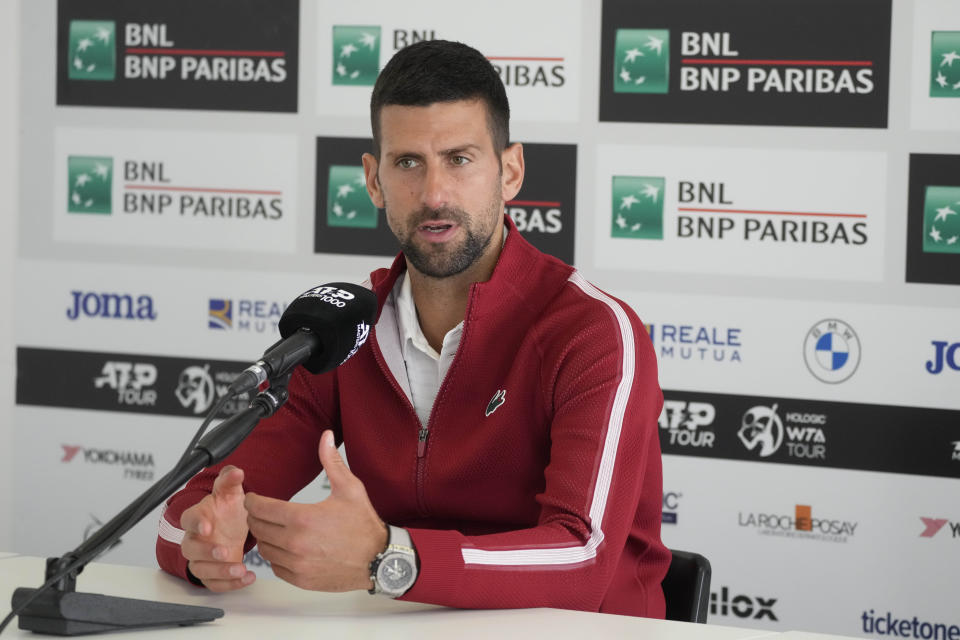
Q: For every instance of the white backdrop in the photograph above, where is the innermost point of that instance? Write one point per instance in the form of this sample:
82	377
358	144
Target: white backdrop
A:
83	450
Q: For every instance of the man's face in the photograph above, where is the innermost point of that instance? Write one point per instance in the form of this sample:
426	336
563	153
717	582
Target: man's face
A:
441	182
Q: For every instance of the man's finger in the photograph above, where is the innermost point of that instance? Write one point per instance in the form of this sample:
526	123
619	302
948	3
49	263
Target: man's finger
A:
268	509
194	521
337	471
266	531
218	570
221	586
195	548
229	479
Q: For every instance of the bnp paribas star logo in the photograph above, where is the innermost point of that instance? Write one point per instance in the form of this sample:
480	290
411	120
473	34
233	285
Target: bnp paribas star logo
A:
91	50
637	204
945	64
641	61
941	220
89	184
356	55
348	204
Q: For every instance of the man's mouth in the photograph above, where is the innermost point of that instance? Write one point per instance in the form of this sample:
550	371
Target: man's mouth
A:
435	228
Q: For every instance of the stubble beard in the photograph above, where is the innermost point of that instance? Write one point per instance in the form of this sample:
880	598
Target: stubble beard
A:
446	260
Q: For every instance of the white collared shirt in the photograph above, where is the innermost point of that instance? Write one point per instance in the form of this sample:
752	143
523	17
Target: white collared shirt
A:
426	368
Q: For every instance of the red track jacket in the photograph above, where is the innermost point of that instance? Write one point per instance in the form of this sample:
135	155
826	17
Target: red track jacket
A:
539	482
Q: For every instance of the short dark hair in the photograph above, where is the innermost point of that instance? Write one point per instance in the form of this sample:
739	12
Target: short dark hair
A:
434	71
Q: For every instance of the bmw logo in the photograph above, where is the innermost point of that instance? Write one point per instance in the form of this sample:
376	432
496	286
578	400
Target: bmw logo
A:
831	351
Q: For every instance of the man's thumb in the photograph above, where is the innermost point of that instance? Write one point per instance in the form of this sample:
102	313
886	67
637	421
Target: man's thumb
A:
333	464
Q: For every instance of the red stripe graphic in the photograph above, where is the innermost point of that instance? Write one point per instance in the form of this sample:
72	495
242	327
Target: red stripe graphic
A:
775	213
153	187
524	58
780	63
205	52
534	203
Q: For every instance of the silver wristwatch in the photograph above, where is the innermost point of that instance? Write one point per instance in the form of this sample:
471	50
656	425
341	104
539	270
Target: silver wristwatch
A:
394	570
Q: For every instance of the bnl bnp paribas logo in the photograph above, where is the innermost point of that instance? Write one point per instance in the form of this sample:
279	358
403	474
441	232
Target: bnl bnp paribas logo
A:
356	55
348	204
637	207
89	184
641	61
831	351
91	50
945	64
941	220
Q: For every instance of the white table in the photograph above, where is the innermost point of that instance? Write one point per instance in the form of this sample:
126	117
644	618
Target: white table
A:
275	609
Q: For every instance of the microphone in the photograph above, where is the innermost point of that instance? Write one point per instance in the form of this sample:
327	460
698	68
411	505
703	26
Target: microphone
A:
321	329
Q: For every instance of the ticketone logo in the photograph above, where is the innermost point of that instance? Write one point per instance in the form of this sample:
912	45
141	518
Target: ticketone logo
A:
348	204
941	220
356	55
91	51
90	184
637	207
945	64
642	61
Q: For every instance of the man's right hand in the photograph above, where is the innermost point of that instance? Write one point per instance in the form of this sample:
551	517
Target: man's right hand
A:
215	530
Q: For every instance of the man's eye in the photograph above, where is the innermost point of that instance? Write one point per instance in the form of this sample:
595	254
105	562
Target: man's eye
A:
459	160
407	163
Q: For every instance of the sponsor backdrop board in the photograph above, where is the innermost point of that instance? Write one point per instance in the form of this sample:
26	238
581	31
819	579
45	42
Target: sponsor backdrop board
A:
774	187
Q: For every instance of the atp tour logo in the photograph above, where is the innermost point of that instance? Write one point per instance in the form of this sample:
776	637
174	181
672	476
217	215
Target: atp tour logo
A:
941	220
763	63
637	207
133	382
944	74
348	203
642	61
91	52
90	184
356	55
686	423
831	351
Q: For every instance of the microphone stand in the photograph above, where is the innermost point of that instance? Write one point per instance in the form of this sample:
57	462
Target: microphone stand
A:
61	610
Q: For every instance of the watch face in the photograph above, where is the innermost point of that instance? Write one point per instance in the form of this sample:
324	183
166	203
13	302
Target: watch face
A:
395	573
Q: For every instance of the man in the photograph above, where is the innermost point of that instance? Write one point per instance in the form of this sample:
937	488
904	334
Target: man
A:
501	419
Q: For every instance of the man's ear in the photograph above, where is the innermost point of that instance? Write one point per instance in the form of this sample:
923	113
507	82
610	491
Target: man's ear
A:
512	162
370	167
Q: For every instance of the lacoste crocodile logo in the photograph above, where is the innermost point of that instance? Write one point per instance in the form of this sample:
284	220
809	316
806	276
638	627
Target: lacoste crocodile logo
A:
498	399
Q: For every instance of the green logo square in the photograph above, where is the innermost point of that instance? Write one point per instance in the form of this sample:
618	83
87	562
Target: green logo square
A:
356	55
348	204
641	61
91	50
637	207
941	220
89	184
945	64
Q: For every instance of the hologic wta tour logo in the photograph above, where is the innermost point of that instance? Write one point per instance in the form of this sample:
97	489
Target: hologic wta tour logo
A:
90	184
945	64
637	204
348	203
91	52
831	351
941	220
642	61
356	55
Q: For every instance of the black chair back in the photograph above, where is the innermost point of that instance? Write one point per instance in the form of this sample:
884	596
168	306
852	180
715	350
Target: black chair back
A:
686	587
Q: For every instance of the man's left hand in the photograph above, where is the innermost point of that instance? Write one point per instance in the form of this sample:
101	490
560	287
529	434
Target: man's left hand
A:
327	546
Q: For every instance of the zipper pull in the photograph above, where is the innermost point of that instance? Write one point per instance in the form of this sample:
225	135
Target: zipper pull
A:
422	441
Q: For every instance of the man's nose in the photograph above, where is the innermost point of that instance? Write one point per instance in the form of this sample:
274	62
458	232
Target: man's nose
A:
436	187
